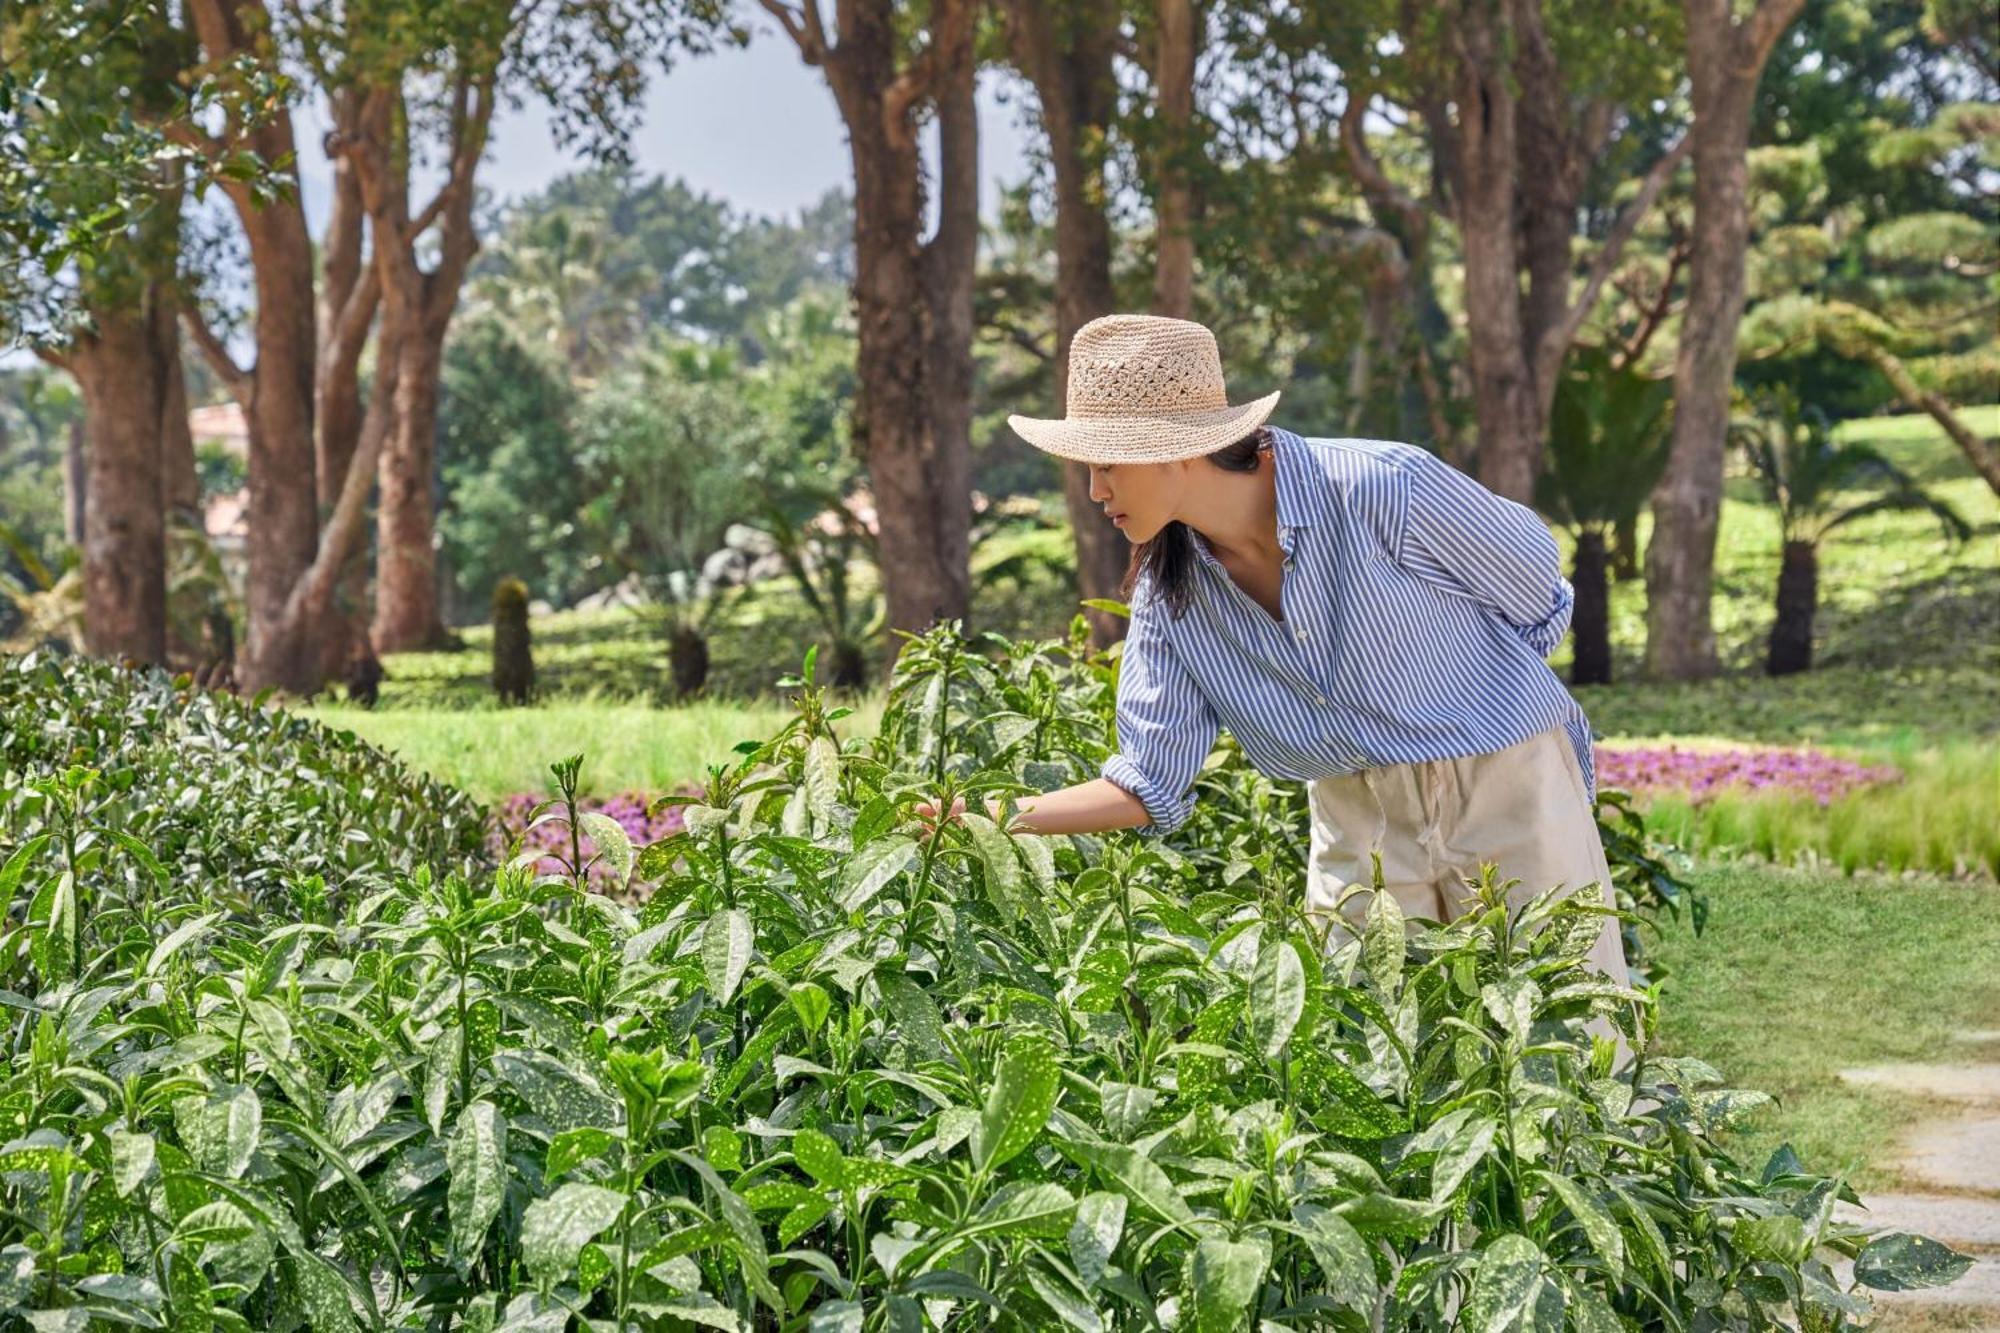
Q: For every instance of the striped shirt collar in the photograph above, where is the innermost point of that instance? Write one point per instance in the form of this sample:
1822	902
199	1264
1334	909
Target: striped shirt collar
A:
1301	493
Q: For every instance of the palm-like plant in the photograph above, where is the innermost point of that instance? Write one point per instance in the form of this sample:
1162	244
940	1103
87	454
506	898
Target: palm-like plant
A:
1608	443
1817	486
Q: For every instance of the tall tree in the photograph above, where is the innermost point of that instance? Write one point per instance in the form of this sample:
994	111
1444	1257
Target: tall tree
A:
1523	103
1177	39
586	61
1066	52
880	86
1726	58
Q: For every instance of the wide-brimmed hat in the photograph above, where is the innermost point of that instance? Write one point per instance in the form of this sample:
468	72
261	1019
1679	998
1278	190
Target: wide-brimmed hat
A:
1144	389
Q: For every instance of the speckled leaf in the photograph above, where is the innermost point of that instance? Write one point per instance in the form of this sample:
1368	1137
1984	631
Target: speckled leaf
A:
614	844
1137	1175
131	1160
1347	1272
1093	1235
822	776
476	1157
441	1071
555	1230
1018	1104
726	942
554	1091
1598	1226
871	869
1510	1272
1277	996
1223	1277
1383	941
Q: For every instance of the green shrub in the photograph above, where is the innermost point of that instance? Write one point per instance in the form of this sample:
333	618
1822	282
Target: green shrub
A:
513	656
228	798
845	1073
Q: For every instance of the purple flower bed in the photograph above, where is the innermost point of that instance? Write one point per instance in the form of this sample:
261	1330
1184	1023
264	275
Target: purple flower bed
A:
1701	775
510	816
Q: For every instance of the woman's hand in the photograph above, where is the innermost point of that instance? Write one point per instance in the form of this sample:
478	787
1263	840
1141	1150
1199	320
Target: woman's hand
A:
928	813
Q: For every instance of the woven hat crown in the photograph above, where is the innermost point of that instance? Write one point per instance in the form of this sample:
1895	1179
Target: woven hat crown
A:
1143	366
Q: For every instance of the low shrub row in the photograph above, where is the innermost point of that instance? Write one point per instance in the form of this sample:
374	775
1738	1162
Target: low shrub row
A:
840	1072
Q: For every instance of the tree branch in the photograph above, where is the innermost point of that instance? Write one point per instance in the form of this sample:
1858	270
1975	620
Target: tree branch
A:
1558	337
1368	169
237	380
803	26
1760	32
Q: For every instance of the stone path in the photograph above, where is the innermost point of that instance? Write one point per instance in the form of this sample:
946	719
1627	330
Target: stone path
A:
1952	1166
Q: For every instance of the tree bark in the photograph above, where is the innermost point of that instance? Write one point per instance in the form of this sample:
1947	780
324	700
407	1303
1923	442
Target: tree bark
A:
1173	80
418	305
1072	73
119	371
950	267
1485	149
277	393
76	485
1725	61
1798	602
1591	622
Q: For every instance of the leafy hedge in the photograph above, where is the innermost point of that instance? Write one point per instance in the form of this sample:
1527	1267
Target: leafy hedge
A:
841	1073
238	800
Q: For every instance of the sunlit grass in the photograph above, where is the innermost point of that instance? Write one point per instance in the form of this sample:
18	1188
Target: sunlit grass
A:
1799	976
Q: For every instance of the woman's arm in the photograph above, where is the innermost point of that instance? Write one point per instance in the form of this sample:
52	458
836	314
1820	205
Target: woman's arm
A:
1096	806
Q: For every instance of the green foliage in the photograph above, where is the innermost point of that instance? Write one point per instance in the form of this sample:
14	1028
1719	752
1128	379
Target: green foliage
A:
1029	1084
513	659
1608	440
1812	481
250	807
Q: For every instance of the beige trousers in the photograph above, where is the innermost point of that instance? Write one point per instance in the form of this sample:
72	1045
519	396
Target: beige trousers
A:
1526	808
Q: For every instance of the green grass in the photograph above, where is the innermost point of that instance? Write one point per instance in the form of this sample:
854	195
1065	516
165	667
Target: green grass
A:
1799	976
628	745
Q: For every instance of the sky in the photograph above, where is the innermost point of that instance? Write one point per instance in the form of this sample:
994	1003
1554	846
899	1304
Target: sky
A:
754	126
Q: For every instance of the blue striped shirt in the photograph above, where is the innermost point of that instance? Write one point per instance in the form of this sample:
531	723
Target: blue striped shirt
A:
1417	608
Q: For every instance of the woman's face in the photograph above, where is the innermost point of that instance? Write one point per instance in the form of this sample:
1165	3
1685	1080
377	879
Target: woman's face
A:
1140	498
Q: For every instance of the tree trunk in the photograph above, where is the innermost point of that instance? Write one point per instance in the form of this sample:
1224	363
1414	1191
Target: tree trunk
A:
1071	70
76	487
1625	548
919	502
1503	388
1725	61
277	394
1591	621
406	612
1173	269
950	262
120	374
1798	602
180	488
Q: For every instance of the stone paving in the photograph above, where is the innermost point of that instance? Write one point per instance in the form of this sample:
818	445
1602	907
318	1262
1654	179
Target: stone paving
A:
1951	1168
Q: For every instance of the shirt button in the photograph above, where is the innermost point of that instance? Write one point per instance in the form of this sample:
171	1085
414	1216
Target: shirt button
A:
1301	635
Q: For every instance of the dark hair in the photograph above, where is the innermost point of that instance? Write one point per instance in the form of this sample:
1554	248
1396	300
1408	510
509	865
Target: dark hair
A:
1169	555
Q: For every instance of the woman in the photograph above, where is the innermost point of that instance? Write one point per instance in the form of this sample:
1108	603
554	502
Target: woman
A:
1359	614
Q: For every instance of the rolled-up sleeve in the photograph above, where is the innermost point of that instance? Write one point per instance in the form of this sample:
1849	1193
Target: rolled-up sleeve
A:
1165	727
1460	536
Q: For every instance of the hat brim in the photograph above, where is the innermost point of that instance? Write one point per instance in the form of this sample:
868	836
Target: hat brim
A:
1151	439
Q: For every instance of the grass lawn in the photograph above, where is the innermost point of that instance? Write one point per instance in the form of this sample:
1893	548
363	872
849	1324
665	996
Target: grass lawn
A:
1799	976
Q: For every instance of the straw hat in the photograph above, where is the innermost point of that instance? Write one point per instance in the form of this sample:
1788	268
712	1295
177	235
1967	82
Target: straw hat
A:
1143	389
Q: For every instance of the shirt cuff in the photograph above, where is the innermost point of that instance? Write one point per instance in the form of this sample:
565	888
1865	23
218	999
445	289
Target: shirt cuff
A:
1546	633
1166	813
